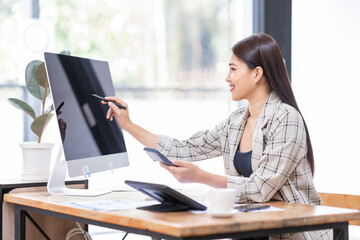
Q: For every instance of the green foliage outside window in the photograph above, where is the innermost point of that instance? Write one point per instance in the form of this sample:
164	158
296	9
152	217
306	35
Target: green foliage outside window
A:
153	43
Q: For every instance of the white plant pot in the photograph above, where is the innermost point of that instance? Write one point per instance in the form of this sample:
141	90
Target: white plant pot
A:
36	161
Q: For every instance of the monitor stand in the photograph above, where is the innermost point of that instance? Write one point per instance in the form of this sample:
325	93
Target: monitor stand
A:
56	184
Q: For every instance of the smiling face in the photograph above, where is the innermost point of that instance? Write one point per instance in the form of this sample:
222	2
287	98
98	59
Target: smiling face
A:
240	79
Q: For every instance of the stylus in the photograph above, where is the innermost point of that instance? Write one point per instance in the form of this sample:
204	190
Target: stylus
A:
103	99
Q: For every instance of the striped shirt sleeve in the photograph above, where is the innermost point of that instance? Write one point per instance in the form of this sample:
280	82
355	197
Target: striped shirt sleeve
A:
202	145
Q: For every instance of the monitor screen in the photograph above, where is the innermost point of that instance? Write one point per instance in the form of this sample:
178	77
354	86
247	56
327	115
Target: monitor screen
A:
91	142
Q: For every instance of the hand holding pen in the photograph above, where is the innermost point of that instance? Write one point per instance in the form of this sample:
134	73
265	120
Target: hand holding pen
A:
121	113
107	100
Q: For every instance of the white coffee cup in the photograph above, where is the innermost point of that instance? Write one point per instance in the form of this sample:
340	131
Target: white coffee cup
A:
222	200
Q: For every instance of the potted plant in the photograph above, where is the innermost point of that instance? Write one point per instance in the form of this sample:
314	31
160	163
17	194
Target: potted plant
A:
36	155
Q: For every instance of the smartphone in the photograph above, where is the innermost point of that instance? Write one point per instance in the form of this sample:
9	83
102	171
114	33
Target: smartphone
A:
103	99
251	207
158	156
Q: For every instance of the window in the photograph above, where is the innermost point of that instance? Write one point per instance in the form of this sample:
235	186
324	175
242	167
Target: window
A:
168	61
325	78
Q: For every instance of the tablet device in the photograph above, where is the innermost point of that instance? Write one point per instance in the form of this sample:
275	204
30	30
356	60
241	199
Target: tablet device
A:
158	156
170	199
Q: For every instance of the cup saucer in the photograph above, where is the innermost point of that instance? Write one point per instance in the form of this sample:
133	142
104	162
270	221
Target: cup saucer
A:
222	214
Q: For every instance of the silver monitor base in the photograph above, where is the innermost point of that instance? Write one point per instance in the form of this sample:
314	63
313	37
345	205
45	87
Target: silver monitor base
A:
56	184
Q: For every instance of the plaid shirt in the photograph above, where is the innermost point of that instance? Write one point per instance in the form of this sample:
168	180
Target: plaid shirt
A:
279	157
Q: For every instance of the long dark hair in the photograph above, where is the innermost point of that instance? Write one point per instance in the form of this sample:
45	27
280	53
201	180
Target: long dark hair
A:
263	51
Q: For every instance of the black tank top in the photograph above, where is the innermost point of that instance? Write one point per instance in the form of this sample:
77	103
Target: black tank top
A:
242	162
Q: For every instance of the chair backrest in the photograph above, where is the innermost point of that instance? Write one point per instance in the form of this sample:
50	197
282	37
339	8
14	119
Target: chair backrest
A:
343	201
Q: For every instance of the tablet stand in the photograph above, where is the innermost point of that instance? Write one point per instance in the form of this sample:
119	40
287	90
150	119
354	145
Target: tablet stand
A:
165	207
170	199
56	184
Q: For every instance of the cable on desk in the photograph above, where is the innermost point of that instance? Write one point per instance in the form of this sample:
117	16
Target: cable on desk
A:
76	231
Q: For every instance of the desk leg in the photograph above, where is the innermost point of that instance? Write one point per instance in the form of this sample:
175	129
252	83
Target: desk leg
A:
19	223
342	231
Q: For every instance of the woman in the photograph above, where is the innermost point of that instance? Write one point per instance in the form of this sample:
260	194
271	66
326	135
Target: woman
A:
265	146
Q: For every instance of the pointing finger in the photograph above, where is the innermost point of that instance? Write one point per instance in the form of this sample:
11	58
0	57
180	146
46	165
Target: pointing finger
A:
109	113
114	108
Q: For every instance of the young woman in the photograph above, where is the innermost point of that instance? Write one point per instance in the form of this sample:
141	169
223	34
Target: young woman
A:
265	146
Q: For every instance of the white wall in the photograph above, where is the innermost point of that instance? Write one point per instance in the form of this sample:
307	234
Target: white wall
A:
326	81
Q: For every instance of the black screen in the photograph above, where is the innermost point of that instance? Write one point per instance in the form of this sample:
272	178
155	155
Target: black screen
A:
84	129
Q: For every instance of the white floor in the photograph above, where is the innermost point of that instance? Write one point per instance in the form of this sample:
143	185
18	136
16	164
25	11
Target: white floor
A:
99	233
354	232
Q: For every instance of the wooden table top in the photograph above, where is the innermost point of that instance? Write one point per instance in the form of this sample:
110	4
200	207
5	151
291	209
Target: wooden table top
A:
184	224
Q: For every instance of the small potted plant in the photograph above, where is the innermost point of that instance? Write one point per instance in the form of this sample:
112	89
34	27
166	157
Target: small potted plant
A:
36	155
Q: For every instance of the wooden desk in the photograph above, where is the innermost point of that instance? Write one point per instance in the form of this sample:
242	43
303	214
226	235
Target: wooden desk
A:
8	184
185	225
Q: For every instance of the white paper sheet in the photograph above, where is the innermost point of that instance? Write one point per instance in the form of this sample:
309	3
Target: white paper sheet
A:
111	205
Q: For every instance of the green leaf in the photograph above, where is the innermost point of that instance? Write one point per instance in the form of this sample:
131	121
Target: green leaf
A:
39	124
40	76
30	81
65	52
22	106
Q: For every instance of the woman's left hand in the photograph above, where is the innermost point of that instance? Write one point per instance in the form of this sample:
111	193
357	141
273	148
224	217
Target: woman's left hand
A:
185	172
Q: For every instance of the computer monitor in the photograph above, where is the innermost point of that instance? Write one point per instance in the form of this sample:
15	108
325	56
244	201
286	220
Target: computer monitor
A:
91	143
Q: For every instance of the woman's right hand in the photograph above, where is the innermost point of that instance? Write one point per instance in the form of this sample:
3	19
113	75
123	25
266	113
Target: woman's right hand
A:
147	138
122	115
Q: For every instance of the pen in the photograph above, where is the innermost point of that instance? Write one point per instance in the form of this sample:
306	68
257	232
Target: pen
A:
103	99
